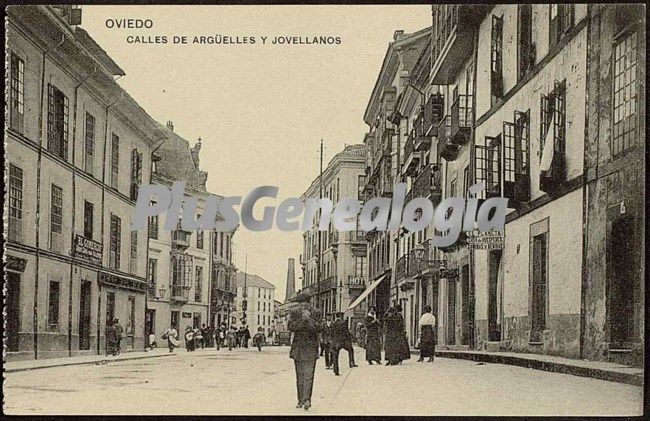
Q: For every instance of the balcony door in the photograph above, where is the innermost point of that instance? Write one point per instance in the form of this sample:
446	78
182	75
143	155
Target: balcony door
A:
621	280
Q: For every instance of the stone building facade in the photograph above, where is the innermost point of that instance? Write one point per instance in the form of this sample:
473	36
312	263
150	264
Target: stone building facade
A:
260	302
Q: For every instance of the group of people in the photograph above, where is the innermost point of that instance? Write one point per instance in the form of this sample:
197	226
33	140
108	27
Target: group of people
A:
114	332
334	337
210	337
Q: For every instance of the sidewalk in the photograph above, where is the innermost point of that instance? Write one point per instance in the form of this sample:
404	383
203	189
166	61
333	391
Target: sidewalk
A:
10	367
594	369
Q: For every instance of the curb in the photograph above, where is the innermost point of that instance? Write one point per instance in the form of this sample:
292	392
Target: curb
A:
71	363
554	367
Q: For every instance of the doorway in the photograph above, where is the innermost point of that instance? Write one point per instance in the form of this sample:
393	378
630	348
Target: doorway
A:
451	311
13	311
465	305
494	328
85	296
620	297
175	319
110	306
150	321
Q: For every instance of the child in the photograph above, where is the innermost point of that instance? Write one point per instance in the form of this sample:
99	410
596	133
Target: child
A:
152	341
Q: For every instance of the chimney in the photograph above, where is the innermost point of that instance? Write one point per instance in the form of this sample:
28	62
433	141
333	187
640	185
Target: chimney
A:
195	153
291	280
398	34
170	125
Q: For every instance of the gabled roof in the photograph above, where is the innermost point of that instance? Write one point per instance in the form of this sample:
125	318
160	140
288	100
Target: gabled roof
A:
252	281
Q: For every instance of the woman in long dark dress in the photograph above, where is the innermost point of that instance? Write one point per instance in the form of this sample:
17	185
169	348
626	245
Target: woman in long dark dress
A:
373	337
404	348
427	334
394	327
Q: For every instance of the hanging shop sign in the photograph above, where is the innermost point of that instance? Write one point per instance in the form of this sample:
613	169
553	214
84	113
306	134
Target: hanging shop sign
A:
88	249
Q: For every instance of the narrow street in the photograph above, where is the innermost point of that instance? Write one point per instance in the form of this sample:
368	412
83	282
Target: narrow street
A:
245	381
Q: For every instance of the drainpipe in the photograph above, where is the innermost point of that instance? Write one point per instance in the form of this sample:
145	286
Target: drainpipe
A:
74	207
472	159
38	194
99	285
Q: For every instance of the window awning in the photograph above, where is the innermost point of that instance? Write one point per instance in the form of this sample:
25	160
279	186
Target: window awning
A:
366	292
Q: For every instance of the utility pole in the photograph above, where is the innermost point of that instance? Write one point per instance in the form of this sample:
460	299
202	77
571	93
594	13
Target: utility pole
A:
320	234
244	301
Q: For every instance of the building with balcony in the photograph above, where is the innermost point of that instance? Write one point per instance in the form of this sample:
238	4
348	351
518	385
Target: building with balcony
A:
341	255
391	143
254	304
77	149
188	271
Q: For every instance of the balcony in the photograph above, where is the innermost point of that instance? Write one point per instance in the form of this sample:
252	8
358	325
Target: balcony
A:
333	238
446	149
412	157
427	184
401	268
181	238
180	293
421	141
433	112
454	29
461	119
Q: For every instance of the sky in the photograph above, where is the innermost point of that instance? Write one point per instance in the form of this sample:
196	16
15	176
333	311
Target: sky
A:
260	110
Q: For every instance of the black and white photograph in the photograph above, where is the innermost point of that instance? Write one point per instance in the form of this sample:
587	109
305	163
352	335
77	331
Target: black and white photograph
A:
339	209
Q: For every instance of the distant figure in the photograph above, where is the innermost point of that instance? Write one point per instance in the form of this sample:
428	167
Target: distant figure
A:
239	332
198	337
372	326
120	331
231	338
171	335
152	341
204	336
305	325
245	337
111	338
189	339
427	334
210	333
326	341
259	338
361	335
341	339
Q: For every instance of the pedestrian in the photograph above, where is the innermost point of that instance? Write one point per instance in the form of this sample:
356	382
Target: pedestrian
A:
210	333
231	338
111	338
171	335
361	335
427	325
404	348
120	331
259	338
198	337
238	334
341	339
305	326
204	336
372	326
326	341
394	326
221	339
152	341
189	339
245	337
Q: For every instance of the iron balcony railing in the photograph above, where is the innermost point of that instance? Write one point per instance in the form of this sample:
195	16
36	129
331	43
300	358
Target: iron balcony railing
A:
461	119
446	149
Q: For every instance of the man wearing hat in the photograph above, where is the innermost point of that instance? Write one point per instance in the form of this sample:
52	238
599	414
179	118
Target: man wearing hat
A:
305	325
341	339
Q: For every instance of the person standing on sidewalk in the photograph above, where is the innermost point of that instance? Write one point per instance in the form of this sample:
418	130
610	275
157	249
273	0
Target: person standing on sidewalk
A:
245	337
305	325
427	325
170	336
120	331
231	338
326	341
373	337
341	339
189	339
404	348
259	338
111	338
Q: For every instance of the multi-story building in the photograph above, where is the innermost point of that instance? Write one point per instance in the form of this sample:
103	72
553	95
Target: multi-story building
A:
223	287
342	255
385	142
77	148
254	303
613	215
179	261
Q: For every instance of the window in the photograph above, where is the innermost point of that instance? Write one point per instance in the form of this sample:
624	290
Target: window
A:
88	219
129	326
153	272
496	78
57	122
89	143
525	48
199	236
359	262
56	210
136	172
553	116
115	242
625	94
15	202
115	159
153	225
538	288
134	251
561	20
54	297
17	100
220	244
258	306
198	283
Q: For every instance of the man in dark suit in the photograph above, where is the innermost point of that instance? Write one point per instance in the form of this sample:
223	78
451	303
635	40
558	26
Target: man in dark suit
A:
305	325
326	341
341	339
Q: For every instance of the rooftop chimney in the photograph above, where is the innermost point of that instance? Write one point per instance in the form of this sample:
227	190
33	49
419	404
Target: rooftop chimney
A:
170	125
291	280
398	34
195	153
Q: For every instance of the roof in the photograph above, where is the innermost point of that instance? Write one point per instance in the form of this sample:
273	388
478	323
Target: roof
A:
252	281
176	161
351	153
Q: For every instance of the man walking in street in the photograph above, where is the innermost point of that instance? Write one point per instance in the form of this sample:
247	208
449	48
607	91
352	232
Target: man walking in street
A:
305	326
326	341
341	339
120	330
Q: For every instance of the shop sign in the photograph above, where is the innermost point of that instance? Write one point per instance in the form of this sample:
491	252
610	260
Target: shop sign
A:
486	240
88	249
122	282
16	264
187	315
